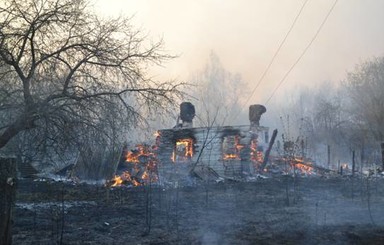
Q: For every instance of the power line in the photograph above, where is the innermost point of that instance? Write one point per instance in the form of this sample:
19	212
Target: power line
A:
275	54
278	50
304	51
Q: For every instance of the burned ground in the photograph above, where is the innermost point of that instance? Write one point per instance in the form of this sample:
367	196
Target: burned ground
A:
284	210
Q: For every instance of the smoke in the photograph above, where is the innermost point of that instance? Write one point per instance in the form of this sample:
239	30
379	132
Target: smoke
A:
246	34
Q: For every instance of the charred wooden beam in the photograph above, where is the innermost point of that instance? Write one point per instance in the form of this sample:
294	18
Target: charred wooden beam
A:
265	162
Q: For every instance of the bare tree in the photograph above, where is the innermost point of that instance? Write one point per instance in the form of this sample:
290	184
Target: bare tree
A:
71	79
365	88
68	74
218	93
322	122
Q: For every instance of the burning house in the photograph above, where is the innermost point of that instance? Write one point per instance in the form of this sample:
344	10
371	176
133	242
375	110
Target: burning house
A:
211	153
207	152
228	152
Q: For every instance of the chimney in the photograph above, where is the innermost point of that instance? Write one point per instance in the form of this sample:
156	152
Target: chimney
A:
255	112
187	113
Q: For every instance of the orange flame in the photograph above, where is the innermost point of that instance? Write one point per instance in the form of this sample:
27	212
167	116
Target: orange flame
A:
305	168
143	168
183	150
257	157
134	156
232	147
231	156
117	181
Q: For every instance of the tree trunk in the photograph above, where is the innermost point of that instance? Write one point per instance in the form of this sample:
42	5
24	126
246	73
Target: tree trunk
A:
26	121
7	198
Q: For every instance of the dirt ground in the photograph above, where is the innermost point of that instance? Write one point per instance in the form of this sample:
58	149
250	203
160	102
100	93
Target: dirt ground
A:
283	210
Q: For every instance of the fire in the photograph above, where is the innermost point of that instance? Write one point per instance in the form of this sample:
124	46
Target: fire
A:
183	150
231	156
297	165
137	155
257	156
303	167
117	181
187	144
141	168
232	148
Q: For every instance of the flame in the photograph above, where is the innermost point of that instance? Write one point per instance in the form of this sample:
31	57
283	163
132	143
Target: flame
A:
232	147
117	181
188	144
143	168
231	156
135	182
183	150
257	157
303	167
141	150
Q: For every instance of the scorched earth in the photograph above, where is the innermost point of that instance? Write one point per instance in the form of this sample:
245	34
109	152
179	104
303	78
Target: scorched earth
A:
280	210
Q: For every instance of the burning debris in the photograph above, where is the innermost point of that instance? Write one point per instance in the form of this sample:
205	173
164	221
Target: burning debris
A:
139	167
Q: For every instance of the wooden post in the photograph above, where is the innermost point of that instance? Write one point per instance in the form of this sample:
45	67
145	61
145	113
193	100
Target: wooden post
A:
7	197
353	163
302	144
329	155
362	157
382	156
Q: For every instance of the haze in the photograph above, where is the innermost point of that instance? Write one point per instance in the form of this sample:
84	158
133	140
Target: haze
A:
245	35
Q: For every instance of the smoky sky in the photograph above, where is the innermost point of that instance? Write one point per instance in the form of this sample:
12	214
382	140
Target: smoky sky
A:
245	35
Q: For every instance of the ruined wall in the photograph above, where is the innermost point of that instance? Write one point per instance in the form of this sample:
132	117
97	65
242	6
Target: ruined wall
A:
226	150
